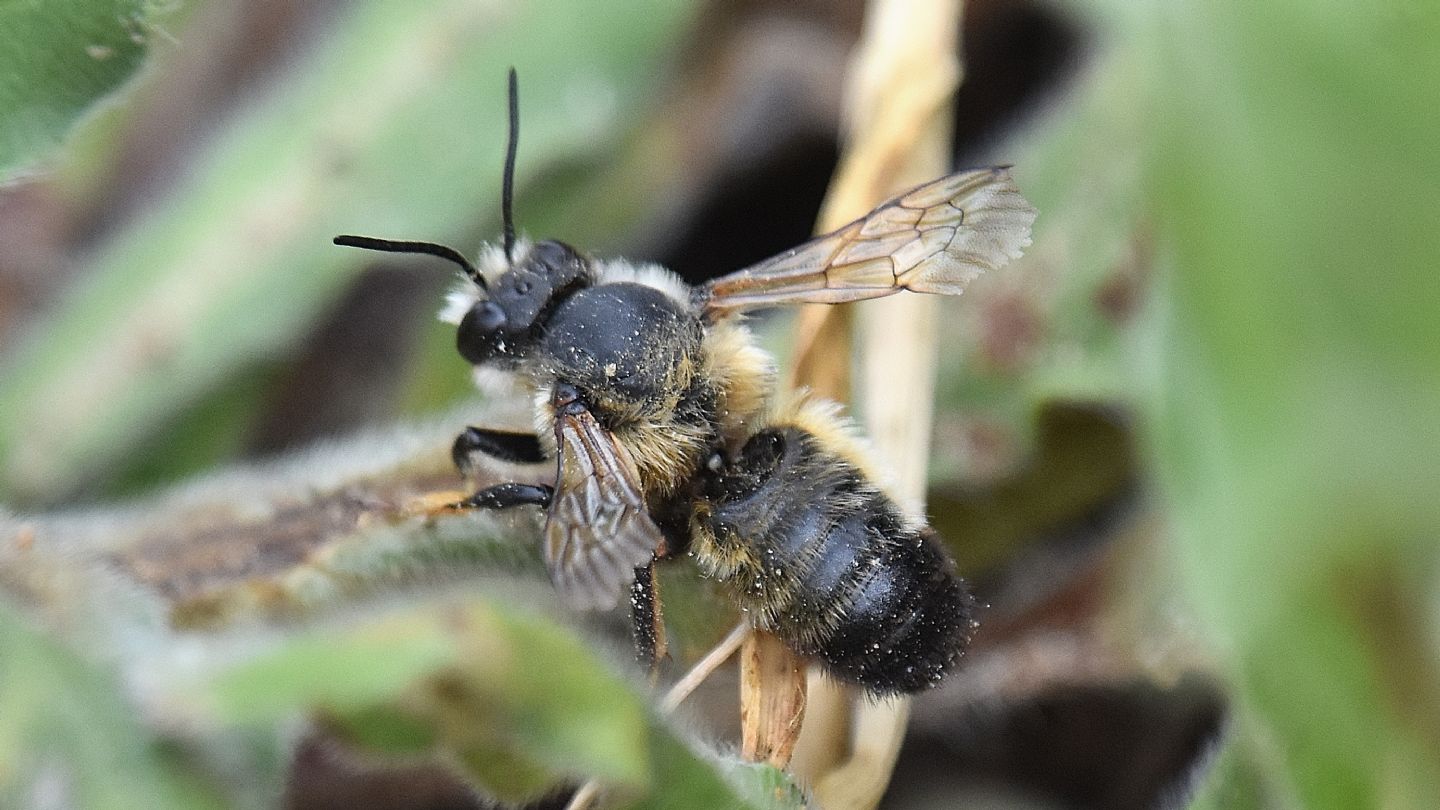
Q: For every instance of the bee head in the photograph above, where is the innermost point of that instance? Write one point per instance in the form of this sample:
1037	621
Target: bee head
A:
503	310
501	328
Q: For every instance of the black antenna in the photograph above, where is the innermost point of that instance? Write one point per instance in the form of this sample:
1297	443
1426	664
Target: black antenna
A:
507	193
428	248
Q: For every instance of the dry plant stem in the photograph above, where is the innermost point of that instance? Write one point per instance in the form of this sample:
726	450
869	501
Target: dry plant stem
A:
772	699
704	667
903	75
585	796
822	350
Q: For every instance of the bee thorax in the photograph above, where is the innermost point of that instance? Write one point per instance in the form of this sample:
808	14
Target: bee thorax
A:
623	343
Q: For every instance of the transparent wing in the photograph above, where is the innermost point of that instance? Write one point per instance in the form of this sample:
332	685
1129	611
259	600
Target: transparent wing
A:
598	530
935	238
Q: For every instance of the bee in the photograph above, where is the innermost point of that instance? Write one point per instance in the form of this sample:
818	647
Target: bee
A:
662	417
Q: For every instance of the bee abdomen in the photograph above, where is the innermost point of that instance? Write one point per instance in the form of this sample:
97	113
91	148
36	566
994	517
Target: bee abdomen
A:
906	618
827	562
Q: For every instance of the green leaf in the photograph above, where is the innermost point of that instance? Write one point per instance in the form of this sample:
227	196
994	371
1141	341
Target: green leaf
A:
1271	167
70	738
767	786
57	59
517	703
1296	386
602	728
341	673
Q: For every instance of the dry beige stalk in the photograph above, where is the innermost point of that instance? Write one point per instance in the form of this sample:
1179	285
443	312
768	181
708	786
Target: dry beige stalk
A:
585	797
822	350
705	666
772	699
903	74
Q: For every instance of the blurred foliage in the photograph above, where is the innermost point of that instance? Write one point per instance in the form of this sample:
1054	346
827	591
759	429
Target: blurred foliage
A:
57	60
1267	170
347	145
1292	407
517	704
71	738
514	704
1236	244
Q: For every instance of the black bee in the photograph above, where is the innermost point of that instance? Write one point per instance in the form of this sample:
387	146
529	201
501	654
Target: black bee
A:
668	434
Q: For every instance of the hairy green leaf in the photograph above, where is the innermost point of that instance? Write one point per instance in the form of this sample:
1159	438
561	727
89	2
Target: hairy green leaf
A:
57	59
516	703
71	739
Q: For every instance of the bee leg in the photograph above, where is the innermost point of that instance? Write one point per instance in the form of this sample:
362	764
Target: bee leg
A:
648	621
516	448
504	496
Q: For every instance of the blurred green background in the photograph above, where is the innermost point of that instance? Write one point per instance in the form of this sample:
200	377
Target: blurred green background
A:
1187	447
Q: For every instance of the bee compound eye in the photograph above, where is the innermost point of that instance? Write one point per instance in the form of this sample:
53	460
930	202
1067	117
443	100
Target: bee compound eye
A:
476	337
550	255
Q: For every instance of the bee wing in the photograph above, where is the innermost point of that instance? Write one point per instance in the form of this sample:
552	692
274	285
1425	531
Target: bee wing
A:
598	530
934	238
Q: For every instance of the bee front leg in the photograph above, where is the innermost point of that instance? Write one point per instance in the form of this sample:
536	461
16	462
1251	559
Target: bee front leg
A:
516	448
504	496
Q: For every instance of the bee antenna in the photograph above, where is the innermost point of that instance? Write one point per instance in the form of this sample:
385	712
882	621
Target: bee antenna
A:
507	192
428	248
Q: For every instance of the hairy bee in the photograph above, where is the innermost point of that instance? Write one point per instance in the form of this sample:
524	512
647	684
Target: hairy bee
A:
662	418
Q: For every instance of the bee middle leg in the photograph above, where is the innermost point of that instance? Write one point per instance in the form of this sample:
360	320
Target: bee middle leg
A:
646	612
647	621
516	448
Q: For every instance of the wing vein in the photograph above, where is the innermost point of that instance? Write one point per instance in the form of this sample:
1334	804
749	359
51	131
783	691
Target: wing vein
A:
936	238
599	530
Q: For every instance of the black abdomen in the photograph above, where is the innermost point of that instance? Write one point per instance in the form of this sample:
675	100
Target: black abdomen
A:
826	561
